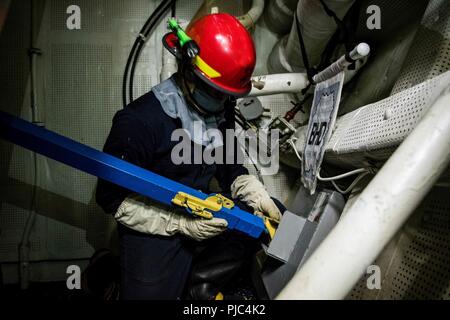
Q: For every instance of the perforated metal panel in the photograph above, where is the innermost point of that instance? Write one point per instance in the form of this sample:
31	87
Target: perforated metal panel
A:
99	15
80	76
400	20
79	88
416	264
429	55
371	133
388	122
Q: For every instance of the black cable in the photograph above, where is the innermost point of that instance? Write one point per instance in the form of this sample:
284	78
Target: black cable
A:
143	38
133	52
133	67
342	34
327	53
309	70
330	12
132	55
174	9
125	75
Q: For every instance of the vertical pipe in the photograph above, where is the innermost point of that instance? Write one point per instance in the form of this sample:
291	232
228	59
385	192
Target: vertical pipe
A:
24	245
4	6
249	19
279	15
317	28
380	211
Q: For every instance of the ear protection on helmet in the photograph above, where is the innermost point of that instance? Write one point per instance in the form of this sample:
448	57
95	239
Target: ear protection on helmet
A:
171	43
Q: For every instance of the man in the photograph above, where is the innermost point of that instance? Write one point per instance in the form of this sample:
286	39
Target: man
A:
157	250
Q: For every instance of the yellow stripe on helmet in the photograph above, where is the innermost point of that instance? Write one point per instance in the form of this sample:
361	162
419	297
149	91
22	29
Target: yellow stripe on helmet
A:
206	68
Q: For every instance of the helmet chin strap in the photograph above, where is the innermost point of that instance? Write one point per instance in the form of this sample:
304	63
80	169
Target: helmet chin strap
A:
185	86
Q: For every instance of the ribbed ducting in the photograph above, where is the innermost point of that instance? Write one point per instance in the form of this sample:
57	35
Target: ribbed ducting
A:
317	28
279	15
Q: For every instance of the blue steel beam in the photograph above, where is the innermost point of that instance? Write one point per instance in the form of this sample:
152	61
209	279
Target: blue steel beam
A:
107	167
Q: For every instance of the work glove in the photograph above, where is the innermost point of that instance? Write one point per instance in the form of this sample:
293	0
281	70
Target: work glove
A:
252	192
143	215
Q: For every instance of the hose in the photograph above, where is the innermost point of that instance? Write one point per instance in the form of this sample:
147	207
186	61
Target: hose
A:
294	148
142	44
362	173
137	47
344	175
352	185
173	12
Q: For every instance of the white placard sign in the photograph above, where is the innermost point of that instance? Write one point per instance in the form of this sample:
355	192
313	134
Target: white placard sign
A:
327	96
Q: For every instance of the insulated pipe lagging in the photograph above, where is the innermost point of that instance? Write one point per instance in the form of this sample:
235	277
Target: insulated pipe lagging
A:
279	15
249	19
296	82
278	83
317	28
169	65
379	212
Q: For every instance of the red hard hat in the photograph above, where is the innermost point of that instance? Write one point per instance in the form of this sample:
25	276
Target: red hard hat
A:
227	53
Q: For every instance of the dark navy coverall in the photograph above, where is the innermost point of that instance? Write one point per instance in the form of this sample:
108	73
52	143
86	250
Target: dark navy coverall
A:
154	266
157	267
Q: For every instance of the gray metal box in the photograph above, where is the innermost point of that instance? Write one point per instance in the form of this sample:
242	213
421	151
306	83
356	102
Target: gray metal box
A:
296	238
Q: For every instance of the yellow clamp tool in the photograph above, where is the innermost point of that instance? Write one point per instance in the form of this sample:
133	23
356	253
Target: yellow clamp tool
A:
271	226
202	207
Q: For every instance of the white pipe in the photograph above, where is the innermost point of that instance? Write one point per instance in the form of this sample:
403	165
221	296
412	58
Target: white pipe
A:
296	82
278	83
169	64
249	19
362	50
344	175
383	207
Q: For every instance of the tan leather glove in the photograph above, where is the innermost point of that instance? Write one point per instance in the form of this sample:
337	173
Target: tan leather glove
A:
143	215
251	191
